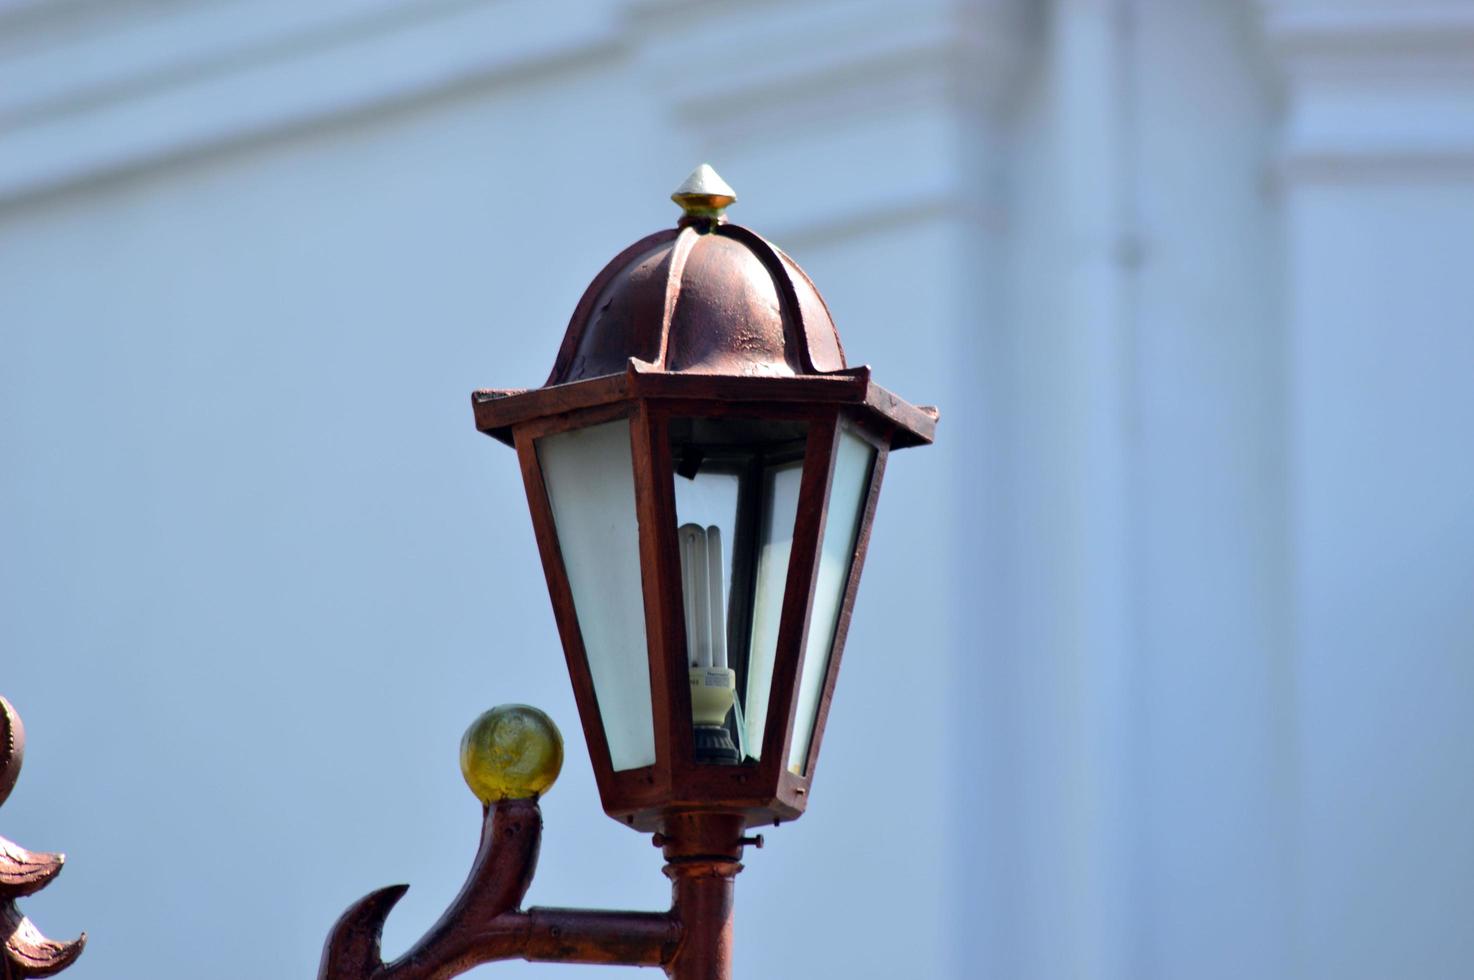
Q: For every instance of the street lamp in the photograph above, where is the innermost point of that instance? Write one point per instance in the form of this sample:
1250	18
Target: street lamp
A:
702	470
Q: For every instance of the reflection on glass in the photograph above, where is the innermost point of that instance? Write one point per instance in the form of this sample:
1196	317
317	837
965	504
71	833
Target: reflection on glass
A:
591	489
852	463
775	542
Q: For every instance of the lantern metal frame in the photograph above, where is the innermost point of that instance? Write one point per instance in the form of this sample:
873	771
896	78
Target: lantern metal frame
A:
650	398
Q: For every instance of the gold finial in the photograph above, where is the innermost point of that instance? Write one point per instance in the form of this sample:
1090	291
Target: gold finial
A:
704	194
512	752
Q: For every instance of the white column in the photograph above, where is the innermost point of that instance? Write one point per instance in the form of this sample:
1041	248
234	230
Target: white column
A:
1379	184
1067	550
1211	760
1146	673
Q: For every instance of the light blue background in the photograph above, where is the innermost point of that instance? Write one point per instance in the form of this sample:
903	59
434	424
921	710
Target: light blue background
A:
1164	656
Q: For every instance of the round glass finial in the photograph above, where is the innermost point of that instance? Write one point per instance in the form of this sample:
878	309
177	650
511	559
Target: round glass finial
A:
512	752
704	194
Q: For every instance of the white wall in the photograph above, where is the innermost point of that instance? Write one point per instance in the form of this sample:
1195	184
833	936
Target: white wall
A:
1165	649
1379	183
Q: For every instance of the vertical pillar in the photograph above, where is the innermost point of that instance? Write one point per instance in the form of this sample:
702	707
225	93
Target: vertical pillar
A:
1066	667
1209	756
702	892
702	852
1378	176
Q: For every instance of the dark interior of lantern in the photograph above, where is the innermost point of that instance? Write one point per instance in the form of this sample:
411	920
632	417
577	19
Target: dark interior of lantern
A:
736	492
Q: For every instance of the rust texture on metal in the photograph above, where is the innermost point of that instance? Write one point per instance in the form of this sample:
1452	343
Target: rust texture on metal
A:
702	895
26	952
715	299
703	310
707	320
499	412
485	921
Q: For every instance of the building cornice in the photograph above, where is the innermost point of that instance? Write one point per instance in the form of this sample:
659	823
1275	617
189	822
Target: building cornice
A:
1374	90
144	82
91	89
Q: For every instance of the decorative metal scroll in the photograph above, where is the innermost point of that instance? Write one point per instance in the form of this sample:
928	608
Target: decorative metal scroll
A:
510	755
26	953
485	923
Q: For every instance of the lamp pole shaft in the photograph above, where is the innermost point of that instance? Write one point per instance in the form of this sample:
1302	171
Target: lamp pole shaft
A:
702	893
703	853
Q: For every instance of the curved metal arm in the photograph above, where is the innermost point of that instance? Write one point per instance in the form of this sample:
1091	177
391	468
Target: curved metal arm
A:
484	922
25	952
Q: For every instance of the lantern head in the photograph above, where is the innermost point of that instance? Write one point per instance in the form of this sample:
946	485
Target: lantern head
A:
702	469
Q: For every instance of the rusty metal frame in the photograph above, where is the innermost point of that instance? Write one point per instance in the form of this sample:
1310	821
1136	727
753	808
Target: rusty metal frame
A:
485	921
640	787
767	792
851	589
499	410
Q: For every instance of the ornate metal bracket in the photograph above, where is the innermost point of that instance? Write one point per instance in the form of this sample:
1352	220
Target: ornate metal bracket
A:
484	922
26	953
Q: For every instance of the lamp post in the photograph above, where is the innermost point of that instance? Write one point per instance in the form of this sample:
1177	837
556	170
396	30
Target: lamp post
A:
702	469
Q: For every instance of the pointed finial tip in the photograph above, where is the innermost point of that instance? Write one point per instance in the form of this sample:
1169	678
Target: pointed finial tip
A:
704	194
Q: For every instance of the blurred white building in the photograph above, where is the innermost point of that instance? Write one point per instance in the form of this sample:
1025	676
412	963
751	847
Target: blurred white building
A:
1163	666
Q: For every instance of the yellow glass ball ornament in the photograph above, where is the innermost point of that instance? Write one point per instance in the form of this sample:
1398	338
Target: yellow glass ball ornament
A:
512	752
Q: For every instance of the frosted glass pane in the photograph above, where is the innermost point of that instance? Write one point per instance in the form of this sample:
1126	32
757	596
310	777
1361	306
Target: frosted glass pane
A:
852	463
591	488
775	542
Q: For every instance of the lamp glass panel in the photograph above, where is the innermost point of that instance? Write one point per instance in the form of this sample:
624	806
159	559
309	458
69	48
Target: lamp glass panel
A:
774	546
853	461
736	493
591	489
